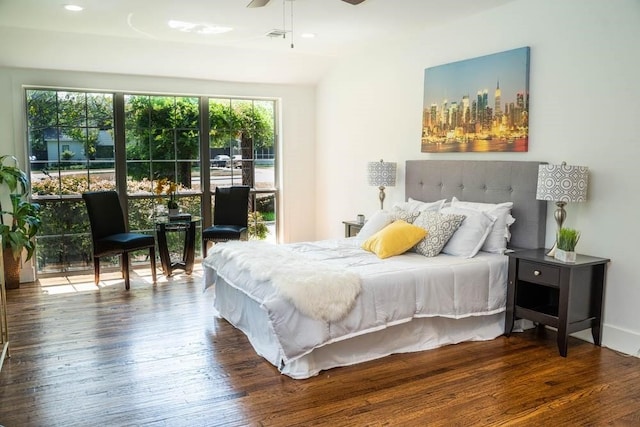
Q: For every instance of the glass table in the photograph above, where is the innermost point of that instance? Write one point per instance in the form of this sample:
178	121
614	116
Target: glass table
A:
186	224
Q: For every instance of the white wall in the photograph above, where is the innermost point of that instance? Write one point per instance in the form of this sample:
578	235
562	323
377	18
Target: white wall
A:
585	95
584	104
297	125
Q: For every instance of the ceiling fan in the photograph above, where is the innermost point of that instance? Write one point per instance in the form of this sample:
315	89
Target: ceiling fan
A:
261	3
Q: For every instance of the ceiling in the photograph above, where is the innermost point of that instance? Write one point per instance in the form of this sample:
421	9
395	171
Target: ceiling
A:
339	28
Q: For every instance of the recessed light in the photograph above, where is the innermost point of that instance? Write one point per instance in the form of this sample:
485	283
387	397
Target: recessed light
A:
74	7
307	35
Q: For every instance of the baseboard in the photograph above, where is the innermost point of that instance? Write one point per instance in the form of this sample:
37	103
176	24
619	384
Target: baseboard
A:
617	339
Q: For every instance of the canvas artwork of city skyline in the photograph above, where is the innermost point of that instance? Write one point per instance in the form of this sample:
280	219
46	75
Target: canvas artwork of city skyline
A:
477	105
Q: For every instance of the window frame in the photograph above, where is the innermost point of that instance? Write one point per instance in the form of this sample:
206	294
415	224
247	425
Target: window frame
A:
120	174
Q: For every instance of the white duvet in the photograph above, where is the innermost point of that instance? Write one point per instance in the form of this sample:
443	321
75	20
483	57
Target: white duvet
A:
394	290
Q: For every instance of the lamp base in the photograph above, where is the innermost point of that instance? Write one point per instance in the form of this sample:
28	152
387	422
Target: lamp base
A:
381	197
559	215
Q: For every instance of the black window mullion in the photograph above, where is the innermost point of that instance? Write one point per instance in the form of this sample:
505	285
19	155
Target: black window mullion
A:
120	151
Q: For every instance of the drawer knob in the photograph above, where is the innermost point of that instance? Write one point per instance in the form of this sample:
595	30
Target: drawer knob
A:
536	272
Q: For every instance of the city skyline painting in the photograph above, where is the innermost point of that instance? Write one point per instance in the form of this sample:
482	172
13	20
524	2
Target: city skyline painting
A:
477	105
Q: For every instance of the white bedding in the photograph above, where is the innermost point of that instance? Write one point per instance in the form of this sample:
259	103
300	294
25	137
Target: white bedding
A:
394	291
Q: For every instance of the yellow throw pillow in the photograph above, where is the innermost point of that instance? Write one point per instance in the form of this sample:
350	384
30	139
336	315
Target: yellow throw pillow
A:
395	239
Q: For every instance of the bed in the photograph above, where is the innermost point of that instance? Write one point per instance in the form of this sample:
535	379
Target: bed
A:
312	306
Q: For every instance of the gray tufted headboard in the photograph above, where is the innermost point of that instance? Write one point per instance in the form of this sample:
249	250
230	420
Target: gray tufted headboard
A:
488	182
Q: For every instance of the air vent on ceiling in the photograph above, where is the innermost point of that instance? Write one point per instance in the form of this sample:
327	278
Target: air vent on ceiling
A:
276	33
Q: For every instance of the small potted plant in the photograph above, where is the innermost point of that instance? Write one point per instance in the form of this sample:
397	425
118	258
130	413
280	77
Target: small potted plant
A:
169	188
19	220
566	244
257	227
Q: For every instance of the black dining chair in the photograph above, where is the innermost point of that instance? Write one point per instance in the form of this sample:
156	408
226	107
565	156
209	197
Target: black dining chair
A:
110	236
230	216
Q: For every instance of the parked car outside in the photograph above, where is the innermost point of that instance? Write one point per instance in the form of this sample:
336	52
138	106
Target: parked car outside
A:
220	160
237	162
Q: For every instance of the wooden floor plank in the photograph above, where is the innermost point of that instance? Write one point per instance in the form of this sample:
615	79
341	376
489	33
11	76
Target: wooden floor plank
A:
155	356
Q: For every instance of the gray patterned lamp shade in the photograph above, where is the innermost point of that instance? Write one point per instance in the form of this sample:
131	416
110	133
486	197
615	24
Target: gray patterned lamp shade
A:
382	174
562	183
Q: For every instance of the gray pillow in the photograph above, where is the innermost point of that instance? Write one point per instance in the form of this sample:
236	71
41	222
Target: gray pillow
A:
440	228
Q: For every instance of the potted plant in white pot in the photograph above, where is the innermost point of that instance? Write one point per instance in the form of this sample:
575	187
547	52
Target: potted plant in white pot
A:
19	219
258	229
566	244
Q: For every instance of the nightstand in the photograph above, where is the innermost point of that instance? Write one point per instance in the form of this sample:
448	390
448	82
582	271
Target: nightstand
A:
351	228
566	296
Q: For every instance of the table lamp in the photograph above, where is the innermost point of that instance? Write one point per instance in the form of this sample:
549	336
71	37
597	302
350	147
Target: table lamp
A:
381	174
562	184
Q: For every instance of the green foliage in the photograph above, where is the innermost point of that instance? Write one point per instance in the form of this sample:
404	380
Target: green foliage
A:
13	176
269	216
568	239
80	114
167	128
231	121
64	240
265	204
25	219
257	227
162	128
42	114
24	226
68	155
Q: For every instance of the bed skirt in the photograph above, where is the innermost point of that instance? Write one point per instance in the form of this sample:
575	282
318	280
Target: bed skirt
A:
417	335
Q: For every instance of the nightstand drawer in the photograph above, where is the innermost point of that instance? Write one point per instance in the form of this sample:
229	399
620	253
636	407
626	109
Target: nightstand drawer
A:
539	273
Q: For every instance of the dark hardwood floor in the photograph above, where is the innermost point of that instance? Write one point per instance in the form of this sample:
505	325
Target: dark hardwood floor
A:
155	356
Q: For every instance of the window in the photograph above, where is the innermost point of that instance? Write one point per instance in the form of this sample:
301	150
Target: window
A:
162	145
73	146
71	150
242	144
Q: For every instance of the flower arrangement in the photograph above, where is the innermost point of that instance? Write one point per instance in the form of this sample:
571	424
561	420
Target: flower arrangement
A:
165	186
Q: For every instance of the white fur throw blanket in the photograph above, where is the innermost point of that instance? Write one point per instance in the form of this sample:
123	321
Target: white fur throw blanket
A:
319	291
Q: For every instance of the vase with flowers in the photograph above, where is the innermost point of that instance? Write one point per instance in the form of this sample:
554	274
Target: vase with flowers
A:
166	187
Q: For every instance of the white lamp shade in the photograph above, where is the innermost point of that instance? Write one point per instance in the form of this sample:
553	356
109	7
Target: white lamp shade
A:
382	174
562	183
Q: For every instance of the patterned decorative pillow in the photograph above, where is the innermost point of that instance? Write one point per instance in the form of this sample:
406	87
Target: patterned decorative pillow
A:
405	215
440	228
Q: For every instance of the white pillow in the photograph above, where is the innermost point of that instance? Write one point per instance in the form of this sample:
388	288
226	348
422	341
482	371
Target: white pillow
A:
417	206
378	221
497	239
472	233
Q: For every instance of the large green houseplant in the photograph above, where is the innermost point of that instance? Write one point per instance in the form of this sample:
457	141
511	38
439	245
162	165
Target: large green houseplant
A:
19	219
